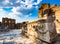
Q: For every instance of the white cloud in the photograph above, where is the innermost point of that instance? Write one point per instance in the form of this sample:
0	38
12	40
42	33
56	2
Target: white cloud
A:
28	4
36	7
29	7
25	5
17	1
2	14
38	1
15	14
11	3
26	16
15	11
5	2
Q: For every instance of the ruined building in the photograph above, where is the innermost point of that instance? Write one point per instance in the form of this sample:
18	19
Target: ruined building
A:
18	25
24	28
46	9
43	29
0	25
46	12
8	23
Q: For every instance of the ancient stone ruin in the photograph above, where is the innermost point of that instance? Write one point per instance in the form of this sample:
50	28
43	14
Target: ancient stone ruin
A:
43	30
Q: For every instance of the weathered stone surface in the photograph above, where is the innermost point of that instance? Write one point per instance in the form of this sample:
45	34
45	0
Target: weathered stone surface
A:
56	13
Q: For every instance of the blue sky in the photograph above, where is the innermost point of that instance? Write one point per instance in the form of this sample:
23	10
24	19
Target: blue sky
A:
22	10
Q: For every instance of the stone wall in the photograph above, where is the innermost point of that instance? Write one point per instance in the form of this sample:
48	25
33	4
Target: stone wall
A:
40	30
8	23
18	25
52	11
0	23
